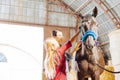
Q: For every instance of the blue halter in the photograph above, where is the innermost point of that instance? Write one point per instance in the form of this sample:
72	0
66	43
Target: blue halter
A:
89	33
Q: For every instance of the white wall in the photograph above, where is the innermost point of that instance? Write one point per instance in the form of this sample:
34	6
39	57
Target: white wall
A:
114	37
23	48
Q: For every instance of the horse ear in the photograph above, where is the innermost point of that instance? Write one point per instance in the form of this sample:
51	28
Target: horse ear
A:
95	12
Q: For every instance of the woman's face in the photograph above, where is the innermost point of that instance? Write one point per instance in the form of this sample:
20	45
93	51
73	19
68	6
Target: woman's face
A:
59	36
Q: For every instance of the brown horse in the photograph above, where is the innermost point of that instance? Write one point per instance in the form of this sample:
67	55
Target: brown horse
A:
89	54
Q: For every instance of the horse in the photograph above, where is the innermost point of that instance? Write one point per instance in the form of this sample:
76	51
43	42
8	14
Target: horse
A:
89	54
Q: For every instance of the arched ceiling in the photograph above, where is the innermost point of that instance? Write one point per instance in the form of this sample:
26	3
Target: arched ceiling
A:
63	13
108	15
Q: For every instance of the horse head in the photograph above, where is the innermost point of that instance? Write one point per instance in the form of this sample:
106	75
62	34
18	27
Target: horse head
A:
89	29
89	33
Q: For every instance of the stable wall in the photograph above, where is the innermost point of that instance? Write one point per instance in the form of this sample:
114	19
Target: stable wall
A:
114	37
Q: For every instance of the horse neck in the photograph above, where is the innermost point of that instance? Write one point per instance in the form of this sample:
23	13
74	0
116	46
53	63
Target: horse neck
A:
81	53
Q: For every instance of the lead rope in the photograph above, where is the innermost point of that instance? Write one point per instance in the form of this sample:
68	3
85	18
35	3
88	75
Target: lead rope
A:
67	70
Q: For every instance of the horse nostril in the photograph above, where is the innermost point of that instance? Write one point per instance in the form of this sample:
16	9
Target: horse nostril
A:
91	47
87	46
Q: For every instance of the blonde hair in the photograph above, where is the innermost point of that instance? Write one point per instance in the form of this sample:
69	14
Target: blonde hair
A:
49	64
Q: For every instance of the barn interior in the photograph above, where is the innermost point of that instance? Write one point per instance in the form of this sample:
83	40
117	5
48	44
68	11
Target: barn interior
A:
63	15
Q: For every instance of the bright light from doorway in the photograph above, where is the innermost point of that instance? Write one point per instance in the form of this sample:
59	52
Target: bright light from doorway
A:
23	48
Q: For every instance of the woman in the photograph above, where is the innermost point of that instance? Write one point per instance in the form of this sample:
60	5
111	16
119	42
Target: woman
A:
54	63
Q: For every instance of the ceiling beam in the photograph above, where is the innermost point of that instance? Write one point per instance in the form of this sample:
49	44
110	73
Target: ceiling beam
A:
72	2
69	9
82	6
66	7
59	12
103	43
33	24
109	12
47	13
62	4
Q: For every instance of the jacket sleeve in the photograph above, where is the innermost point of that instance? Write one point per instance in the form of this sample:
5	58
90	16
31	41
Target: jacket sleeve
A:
64	47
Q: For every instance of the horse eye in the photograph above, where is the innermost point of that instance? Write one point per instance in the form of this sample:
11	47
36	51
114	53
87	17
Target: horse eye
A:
86	28
84	21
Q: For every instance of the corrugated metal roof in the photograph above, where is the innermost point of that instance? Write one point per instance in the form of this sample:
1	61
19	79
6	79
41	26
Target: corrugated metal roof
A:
35	11
104	19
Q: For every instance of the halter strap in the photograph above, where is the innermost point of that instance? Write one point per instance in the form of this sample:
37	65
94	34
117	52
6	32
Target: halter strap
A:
89	33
